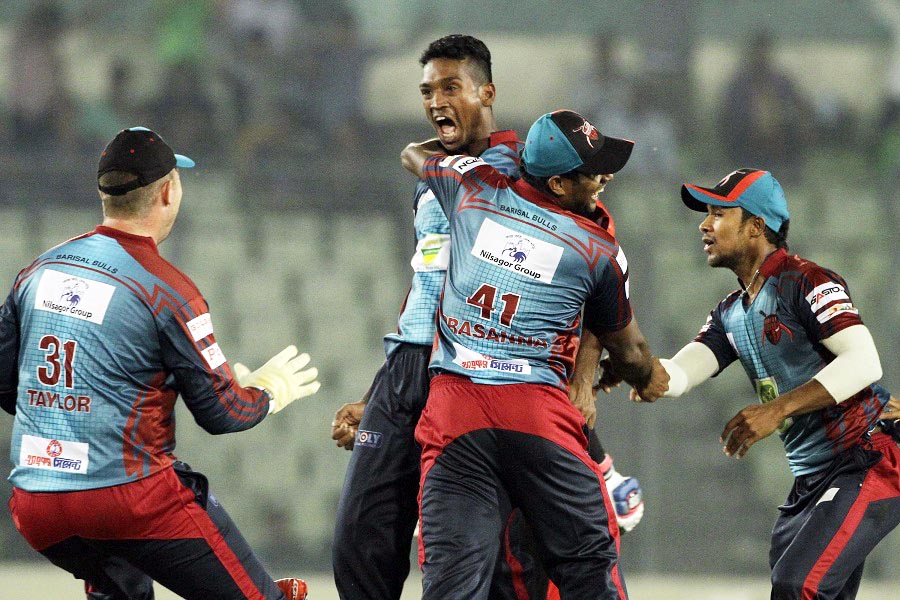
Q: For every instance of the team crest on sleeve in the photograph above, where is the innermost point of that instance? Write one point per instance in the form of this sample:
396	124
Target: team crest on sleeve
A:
522	254
72	296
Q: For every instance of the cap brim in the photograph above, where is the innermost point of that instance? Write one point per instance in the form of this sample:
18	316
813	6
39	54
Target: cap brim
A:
183	162
611	157
697	198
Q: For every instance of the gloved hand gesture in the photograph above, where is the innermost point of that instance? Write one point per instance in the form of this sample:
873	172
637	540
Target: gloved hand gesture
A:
626	495
282	377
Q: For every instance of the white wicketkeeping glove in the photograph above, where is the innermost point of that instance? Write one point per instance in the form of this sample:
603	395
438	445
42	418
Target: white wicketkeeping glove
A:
626	495
282	377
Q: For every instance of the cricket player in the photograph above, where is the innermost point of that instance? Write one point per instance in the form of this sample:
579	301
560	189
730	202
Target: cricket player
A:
814	367
378	509
98	338
526	258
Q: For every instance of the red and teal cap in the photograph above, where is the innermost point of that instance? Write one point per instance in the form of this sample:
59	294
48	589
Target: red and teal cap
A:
752	189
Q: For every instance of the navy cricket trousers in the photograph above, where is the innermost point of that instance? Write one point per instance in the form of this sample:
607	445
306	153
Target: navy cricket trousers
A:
831	522
165	527
377	511
527	441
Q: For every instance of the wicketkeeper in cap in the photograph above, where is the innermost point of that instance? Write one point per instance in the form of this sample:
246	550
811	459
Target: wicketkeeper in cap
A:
99	337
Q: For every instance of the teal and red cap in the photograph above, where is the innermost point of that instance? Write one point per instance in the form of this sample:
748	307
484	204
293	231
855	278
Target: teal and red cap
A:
564	141
141	152
752	189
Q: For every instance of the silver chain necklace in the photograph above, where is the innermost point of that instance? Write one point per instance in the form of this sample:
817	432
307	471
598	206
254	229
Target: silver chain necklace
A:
746	291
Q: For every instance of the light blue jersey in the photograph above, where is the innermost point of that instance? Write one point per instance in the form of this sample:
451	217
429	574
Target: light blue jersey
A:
777	339
98	338
521	269
417	321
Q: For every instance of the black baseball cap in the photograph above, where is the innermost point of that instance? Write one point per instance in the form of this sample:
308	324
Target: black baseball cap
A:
564	141
141	152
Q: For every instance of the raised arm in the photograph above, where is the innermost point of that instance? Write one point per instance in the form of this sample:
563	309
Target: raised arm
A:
414	155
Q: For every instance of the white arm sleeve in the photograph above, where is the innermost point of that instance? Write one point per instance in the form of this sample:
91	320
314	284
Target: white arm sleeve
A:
855	365
694	364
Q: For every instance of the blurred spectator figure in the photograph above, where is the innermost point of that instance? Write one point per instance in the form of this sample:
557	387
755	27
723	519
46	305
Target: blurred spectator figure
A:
605	94
116	109
765	119
186	106
628	105
41	108
253	45
887	134
339	58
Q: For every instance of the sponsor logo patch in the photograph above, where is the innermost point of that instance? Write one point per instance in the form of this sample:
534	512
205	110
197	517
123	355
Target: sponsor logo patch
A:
432	253
214	356
54	455
825	294
369	439
475	361
200	327
72	296
835	310
522	254
766	391
461	164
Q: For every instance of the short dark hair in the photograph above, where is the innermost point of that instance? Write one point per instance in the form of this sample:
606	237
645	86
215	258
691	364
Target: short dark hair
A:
776	238
461	47
540	183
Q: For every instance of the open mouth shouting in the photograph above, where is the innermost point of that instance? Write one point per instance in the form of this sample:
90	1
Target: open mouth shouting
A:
447	130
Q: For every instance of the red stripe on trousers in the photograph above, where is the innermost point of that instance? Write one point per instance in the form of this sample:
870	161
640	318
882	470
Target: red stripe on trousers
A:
158	507
515	567
457	406
881	482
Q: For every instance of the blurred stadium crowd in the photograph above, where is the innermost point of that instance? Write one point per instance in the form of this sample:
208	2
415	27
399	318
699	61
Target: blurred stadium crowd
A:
297	225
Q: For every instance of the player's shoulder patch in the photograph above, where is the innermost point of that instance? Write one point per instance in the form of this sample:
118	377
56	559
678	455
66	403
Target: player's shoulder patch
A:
461	163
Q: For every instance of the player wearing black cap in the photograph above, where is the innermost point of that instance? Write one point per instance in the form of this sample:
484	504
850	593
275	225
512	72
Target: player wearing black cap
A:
98	338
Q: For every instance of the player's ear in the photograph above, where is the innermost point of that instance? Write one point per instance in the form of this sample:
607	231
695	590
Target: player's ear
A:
487	93
555	185
165	192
